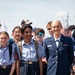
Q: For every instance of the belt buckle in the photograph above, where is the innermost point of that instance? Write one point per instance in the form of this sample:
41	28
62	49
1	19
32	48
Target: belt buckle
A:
4	67
30	62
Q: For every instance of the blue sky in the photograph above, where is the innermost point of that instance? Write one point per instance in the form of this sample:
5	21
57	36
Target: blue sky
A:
12	12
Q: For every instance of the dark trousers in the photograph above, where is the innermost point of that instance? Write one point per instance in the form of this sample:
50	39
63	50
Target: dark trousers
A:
44	68
29	69
5	71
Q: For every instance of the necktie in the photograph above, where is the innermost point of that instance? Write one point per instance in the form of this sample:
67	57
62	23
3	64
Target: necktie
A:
57	43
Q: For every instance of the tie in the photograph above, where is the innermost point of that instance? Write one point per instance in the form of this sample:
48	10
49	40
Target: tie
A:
57	43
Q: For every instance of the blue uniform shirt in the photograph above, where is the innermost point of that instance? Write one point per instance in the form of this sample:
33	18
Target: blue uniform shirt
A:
4	56
29	51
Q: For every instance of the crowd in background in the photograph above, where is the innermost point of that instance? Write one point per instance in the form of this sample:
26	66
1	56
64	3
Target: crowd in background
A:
28	52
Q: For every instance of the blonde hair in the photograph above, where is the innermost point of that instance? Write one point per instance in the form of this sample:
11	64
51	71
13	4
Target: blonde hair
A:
58	21
4	32
49	24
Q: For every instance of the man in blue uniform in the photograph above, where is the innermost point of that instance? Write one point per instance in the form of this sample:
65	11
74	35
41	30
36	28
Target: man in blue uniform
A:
59	53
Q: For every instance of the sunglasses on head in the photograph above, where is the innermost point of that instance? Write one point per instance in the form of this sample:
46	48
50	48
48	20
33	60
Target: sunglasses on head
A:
40	34
48	28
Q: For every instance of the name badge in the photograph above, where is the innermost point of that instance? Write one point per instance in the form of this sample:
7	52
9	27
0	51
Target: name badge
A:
49	45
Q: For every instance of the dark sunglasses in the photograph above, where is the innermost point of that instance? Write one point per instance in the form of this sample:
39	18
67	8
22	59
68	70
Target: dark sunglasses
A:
40	34
48	28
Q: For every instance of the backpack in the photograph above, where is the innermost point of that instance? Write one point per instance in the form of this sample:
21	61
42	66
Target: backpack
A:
10	49
36	46
16	56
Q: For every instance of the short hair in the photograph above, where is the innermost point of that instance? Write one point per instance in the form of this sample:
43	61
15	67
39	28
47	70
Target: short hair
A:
58	21
26	26
71	27
48	24
40	30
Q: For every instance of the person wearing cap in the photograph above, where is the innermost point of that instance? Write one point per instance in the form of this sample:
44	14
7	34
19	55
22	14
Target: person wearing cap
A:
30	55
25	22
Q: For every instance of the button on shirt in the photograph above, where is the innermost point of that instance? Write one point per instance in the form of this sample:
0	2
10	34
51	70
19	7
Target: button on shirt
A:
29	51
4	56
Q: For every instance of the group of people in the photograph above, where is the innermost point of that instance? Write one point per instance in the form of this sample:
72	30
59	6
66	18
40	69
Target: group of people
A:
29	53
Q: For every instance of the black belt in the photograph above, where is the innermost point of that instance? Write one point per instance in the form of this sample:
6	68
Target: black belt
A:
28	62
5	67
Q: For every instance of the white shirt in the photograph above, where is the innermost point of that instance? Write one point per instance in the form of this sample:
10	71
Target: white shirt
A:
57	41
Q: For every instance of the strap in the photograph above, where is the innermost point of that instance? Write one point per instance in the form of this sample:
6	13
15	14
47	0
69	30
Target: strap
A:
36	46
10	50
20	47
10	47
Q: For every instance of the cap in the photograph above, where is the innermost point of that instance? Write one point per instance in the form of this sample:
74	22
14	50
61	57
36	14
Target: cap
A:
26	21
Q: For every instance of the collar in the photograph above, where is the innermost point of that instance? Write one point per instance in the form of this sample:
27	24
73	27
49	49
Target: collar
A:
31	42
57	38
5	47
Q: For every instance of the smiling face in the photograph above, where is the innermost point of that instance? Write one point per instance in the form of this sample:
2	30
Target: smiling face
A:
4	39
17	34
56	28
39	36
50	31
27	34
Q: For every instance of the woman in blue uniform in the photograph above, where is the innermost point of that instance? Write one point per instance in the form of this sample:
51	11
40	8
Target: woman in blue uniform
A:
59	51
30	56
16	33
7	65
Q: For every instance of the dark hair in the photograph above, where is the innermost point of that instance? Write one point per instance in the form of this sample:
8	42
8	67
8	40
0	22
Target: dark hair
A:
16	27
40	30
71	27
26	26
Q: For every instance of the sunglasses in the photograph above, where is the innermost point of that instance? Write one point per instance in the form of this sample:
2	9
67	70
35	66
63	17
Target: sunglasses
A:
48	28
40	34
